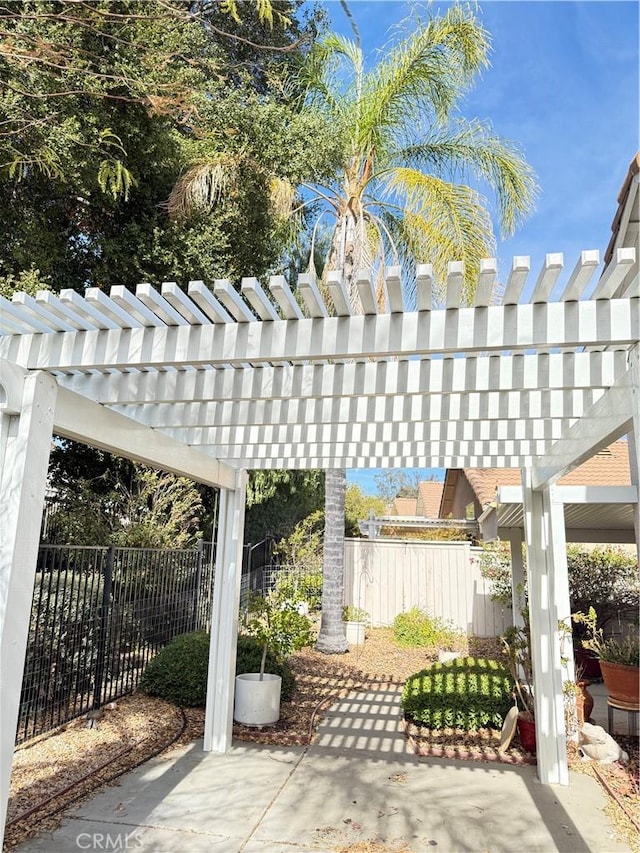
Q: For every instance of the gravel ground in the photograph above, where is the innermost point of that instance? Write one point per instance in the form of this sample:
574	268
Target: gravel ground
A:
85	759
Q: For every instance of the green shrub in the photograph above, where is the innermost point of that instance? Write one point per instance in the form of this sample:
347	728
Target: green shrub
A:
466	693
417	628
178	673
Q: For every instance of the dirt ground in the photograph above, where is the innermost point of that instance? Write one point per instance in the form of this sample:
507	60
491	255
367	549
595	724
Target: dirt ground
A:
72	763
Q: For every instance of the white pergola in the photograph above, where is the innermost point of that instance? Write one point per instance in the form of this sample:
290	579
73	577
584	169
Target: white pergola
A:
209	383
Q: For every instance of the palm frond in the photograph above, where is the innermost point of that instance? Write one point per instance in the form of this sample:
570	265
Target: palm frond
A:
325	78
424	76
443	222
282	195
472	149
202	186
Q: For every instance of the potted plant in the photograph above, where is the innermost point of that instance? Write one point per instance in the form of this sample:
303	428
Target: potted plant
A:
282	628
355	620
578	702
517	645
619	661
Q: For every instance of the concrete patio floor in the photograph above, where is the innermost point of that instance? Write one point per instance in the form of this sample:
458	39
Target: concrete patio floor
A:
357	782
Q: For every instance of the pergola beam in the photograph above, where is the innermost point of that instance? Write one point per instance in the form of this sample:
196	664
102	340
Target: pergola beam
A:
337	448
609	418
423	460
83	420
194	423
539	430
444	332
559	371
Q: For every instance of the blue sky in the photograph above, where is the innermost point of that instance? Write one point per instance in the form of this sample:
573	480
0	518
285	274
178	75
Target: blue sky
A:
563	83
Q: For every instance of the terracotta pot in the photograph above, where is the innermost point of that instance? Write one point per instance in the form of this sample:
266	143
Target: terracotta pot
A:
584	703
587	699
589	664
622	683
527	733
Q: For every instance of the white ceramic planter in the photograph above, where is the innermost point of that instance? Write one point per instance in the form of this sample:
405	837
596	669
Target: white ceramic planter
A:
354	632
257	703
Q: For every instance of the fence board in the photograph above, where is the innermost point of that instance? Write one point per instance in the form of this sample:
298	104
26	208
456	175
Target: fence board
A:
387	577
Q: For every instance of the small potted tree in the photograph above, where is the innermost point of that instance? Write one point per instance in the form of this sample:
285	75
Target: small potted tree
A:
619	661
282	627
355	621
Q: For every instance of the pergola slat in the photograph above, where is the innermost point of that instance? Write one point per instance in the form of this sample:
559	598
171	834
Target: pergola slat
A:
40	312
581	275
517	277
549	273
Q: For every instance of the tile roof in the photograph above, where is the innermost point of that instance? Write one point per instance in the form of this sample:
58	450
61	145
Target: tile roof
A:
429	498
404	506
609	467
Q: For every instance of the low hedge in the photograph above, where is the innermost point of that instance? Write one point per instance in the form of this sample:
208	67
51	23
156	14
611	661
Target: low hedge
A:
178	673
465	693
416	628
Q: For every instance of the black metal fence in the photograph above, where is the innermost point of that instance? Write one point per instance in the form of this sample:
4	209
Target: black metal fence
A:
98	615
262	572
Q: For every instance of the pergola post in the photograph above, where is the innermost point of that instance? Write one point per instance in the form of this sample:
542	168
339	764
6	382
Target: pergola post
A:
218	723
516	538
27	420
544	527
633	437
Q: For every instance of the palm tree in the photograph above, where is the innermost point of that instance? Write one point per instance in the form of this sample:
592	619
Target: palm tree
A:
401	190
400	193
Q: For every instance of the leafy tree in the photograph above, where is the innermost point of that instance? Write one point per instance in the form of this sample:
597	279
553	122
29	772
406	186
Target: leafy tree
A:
396	194
106	500
105	106
278	500
357	506
604	577
394	483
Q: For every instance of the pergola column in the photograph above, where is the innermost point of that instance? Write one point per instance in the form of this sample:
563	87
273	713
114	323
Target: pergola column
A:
516	538
548	603
218	723
633	437
26	415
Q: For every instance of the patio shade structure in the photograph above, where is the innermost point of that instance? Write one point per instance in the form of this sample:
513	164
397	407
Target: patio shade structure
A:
210	383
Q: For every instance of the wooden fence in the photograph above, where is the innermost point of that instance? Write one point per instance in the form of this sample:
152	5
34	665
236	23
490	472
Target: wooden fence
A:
443	578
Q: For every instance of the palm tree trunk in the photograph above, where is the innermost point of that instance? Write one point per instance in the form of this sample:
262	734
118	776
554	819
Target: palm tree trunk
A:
331	639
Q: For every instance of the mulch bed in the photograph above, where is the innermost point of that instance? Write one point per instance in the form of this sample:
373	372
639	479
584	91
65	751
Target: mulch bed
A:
75	757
